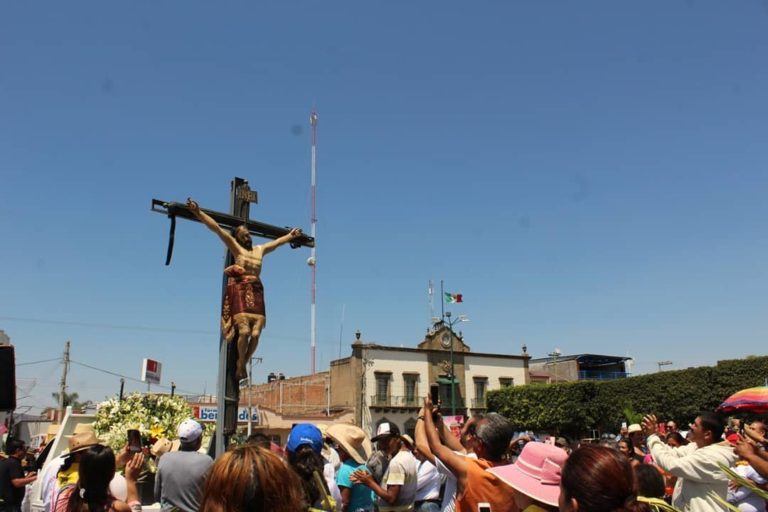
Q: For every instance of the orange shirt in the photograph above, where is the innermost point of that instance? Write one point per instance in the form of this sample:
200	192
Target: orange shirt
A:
485	487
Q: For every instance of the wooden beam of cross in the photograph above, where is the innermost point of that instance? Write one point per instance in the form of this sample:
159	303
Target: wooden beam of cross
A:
227	389
229	221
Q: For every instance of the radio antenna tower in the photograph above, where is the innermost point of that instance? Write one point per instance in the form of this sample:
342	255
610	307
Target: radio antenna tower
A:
312	261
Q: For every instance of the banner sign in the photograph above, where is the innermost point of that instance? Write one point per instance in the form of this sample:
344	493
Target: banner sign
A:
150	371
210	412
454	424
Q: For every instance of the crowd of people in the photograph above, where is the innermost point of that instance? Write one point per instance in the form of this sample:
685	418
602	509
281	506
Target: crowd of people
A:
487	468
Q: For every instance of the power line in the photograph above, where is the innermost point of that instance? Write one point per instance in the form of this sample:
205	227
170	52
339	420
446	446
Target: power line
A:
39	362
145	328
104	326
102	370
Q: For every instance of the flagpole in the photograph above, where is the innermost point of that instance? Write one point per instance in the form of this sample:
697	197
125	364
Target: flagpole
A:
442	301
431	304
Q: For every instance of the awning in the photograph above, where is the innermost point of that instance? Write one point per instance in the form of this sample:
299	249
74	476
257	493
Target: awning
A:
447	380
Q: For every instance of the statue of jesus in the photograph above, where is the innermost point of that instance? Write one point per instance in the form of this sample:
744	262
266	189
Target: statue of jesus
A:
243	310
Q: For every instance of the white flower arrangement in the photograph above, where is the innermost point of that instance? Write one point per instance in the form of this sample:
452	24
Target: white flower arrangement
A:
154	416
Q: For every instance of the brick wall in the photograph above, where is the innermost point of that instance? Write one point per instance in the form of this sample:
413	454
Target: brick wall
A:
295	395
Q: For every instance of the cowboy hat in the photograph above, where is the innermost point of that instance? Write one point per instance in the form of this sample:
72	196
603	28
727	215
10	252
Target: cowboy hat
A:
82	428
161	447
352	440
82	441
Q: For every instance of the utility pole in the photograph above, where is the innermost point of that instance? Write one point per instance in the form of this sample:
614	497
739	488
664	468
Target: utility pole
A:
63	383
312	261
250	392
554	355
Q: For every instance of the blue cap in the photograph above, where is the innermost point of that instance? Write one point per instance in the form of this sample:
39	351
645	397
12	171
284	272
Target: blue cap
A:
305	433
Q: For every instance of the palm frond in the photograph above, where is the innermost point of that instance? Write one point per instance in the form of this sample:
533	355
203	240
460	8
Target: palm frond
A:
719	499
744	482
657	504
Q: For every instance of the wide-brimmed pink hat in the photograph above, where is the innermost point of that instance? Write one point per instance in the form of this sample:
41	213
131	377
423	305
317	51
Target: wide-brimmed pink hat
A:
536	472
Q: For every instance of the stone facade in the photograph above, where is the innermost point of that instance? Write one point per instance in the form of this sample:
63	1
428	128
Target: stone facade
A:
382	383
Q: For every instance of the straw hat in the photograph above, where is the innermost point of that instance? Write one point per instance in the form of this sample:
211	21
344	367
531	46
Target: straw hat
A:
353	440
161	447
82	441
84	428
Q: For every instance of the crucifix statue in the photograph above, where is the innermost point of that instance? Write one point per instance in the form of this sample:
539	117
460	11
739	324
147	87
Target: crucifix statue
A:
242	313
243	309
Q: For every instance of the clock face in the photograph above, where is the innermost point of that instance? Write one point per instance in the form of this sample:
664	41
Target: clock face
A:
445	341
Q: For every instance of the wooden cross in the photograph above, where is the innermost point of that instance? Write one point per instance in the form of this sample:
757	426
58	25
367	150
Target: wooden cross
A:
241	197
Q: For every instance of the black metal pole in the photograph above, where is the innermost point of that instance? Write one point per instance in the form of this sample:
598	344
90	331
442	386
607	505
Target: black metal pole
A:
453	377
122	388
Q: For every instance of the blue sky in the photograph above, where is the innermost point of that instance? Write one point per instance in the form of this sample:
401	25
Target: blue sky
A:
590	175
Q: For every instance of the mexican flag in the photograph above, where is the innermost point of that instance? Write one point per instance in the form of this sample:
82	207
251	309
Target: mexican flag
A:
453	298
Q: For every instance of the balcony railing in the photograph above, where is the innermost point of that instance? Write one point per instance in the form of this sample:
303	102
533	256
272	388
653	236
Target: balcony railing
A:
418	401
479	403
396	401
591	375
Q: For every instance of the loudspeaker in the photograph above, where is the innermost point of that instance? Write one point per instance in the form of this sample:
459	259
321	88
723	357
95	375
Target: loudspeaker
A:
7	378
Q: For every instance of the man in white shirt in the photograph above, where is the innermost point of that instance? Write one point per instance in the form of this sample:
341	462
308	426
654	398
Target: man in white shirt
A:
397	491
696	465
428	485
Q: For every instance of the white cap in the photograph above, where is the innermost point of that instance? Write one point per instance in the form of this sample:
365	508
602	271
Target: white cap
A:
189	431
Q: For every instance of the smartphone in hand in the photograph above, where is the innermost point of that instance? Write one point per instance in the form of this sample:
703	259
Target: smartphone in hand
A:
134	441
434	393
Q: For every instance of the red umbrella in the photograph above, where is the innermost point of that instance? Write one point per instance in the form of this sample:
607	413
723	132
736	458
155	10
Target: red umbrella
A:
753	400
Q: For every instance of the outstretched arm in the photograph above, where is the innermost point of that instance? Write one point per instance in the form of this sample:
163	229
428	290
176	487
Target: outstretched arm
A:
457	464
203	217
421	437
389	495
749	451
274	244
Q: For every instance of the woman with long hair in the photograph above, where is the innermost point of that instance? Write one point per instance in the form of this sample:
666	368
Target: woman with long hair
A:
96	471
251	479
304	448
627	449
599	479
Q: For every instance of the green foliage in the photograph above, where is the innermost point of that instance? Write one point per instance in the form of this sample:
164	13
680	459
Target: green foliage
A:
630	414
70	399
573	408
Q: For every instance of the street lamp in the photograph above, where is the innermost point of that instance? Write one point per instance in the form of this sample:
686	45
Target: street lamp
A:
451	323
554	355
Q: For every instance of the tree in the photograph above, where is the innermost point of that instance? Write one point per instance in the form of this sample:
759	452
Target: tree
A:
70	399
